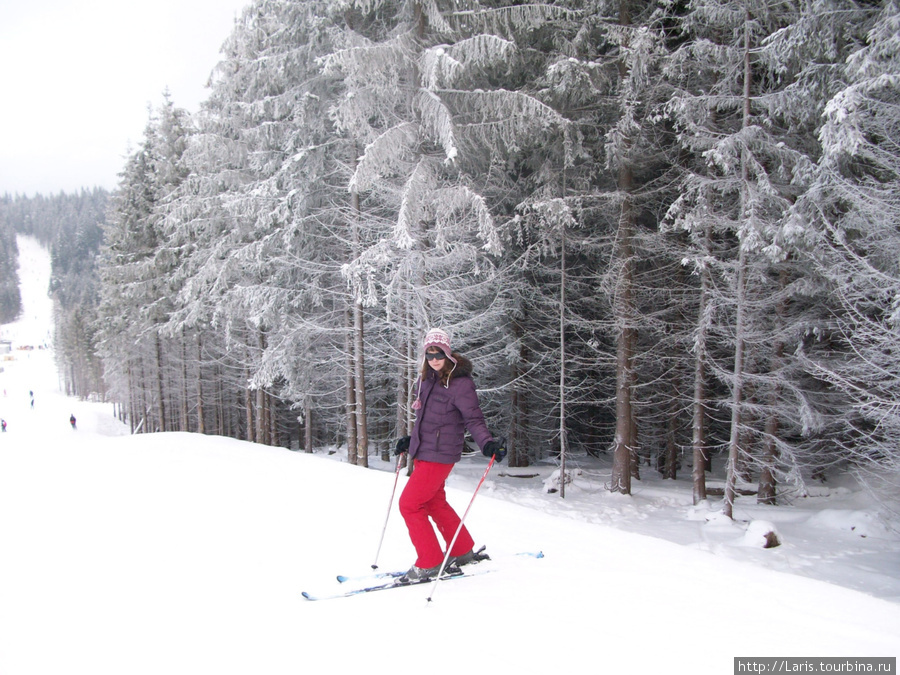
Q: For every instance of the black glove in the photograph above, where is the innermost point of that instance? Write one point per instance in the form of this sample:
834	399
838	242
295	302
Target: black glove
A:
402	446
495	449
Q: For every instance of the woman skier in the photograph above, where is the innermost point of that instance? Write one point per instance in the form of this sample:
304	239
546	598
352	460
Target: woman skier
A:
446	406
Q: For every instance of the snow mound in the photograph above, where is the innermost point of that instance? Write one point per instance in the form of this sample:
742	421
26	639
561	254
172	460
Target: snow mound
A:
719	519
825	491
861	523
761	534
553	483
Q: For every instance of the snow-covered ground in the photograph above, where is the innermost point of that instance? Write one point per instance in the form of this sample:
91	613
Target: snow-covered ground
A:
186	554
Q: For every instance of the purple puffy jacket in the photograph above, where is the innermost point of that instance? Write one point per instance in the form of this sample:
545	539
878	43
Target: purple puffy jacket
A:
446	413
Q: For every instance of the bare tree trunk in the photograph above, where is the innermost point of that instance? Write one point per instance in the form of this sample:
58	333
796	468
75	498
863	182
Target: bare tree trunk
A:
624	442
161	402
518	436
359	364
403	380
362	430
412	374
734	443
562	362
513	445
625	428
737	395
185	425
767	478
248	404
145	403
132	400
272	418
700	450
635	446
201	425
262	412
307	426
261	429
220	402
767	481
670	468
351	395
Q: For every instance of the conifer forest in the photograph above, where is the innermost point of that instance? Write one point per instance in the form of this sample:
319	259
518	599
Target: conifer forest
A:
663	231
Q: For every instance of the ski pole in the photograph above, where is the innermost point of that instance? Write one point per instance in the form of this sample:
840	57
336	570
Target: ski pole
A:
390	505
459	529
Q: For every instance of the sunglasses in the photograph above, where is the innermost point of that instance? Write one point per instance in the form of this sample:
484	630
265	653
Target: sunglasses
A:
437	356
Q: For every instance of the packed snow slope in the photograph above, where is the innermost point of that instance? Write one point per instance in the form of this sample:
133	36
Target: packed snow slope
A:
186	554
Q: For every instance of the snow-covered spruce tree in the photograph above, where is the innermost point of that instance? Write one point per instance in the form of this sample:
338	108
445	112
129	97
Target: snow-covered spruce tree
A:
607	83
748	169
546	283
635	162
126	274
196	223
556	242
10	298
560	270
261	217
212	218
135	270
74	286
808	55
422	99
129	208
173	131
853	206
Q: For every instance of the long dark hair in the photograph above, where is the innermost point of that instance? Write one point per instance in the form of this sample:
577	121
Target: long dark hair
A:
446	371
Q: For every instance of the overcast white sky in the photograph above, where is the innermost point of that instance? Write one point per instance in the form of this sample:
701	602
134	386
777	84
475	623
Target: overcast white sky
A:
77	76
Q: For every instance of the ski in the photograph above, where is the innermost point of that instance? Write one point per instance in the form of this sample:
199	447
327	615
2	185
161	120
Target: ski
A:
342	579
394	583
398	573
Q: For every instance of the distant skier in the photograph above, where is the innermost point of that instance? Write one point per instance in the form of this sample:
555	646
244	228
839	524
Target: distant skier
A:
3	425
72	421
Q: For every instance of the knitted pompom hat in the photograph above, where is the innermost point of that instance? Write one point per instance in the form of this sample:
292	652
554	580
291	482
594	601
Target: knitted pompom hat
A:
440	339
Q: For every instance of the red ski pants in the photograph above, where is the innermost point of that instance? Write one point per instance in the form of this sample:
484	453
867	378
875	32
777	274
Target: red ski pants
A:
424	498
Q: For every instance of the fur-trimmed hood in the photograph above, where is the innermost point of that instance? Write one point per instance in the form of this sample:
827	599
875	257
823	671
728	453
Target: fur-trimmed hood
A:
463	366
